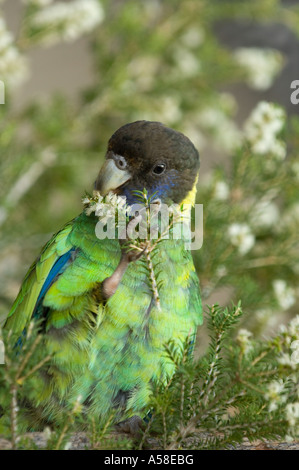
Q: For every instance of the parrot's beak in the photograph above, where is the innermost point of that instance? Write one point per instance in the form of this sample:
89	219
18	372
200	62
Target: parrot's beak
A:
111	177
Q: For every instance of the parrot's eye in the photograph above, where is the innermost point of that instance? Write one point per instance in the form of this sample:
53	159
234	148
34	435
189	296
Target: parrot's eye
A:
120	162
159	169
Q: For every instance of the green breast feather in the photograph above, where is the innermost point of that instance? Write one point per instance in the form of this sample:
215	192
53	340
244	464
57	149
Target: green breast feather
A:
107	353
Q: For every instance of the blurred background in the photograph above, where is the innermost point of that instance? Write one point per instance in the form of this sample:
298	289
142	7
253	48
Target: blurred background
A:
74	71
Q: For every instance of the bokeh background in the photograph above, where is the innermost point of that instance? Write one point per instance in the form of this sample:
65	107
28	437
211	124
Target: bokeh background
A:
74	71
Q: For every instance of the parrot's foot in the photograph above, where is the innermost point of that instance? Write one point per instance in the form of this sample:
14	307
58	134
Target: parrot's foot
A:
129	254
134	425
134	254
110	284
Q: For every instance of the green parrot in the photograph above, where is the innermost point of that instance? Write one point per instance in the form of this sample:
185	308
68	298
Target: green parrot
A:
99	319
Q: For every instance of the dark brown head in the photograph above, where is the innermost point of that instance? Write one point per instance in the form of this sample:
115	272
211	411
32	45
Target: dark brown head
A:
149	155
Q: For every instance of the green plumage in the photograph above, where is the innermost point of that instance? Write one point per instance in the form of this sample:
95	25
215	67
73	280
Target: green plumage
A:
106	352
101	352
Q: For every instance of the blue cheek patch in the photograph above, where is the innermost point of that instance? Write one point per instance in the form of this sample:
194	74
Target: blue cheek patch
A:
162	189
159	190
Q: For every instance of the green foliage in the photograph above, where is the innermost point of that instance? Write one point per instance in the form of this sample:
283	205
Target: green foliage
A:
255	202
241	387
237	389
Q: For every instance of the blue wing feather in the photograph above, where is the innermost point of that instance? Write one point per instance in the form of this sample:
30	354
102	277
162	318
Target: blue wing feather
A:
57	269
59	266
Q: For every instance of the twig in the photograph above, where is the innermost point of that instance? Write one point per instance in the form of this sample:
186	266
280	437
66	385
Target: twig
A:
14	415
26	181
153	279
27	357
146	431
68	423
34	369
212	373
259	358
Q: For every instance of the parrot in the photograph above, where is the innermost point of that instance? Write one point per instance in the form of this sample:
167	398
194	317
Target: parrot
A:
100	325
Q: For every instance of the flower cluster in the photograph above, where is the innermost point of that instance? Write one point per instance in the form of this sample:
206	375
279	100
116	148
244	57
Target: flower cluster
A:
221	191
67	21
289	336
292	416
105	208
188	65
276	394
265	214
261	65
284	294
244	340
240	236
217	122
263	128
13	65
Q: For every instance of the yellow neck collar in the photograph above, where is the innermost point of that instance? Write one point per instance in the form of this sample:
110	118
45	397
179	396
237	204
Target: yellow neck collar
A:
190	198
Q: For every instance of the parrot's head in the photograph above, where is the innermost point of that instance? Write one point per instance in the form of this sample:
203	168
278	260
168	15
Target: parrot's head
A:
149	155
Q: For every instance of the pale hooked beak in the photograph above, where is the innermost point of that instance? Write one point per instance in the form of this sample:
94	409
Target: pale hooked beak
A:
110	177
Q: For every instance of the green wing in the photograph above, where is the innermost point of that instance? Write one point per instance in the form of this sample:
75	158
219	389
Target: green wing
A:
39	273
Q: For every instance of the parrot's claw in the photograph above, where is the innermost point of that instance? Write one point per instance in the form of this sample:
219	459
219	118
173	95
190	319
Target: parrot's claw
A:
134	425
110	284
131	255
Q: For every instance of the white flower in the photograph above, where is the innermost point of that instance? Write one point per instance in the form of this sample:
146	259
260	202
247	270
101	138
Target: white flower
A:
143	71
292	413
221	271
243	339
194	37
262	129
275	394
92	203
265	214
6	40
295	354
261	65
224	130
263	314
284	294
275	389
86	200
13	65
68	21
221	191
188	64
241	236
169	109
211	117
105	208
287	360
293	327
269	115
